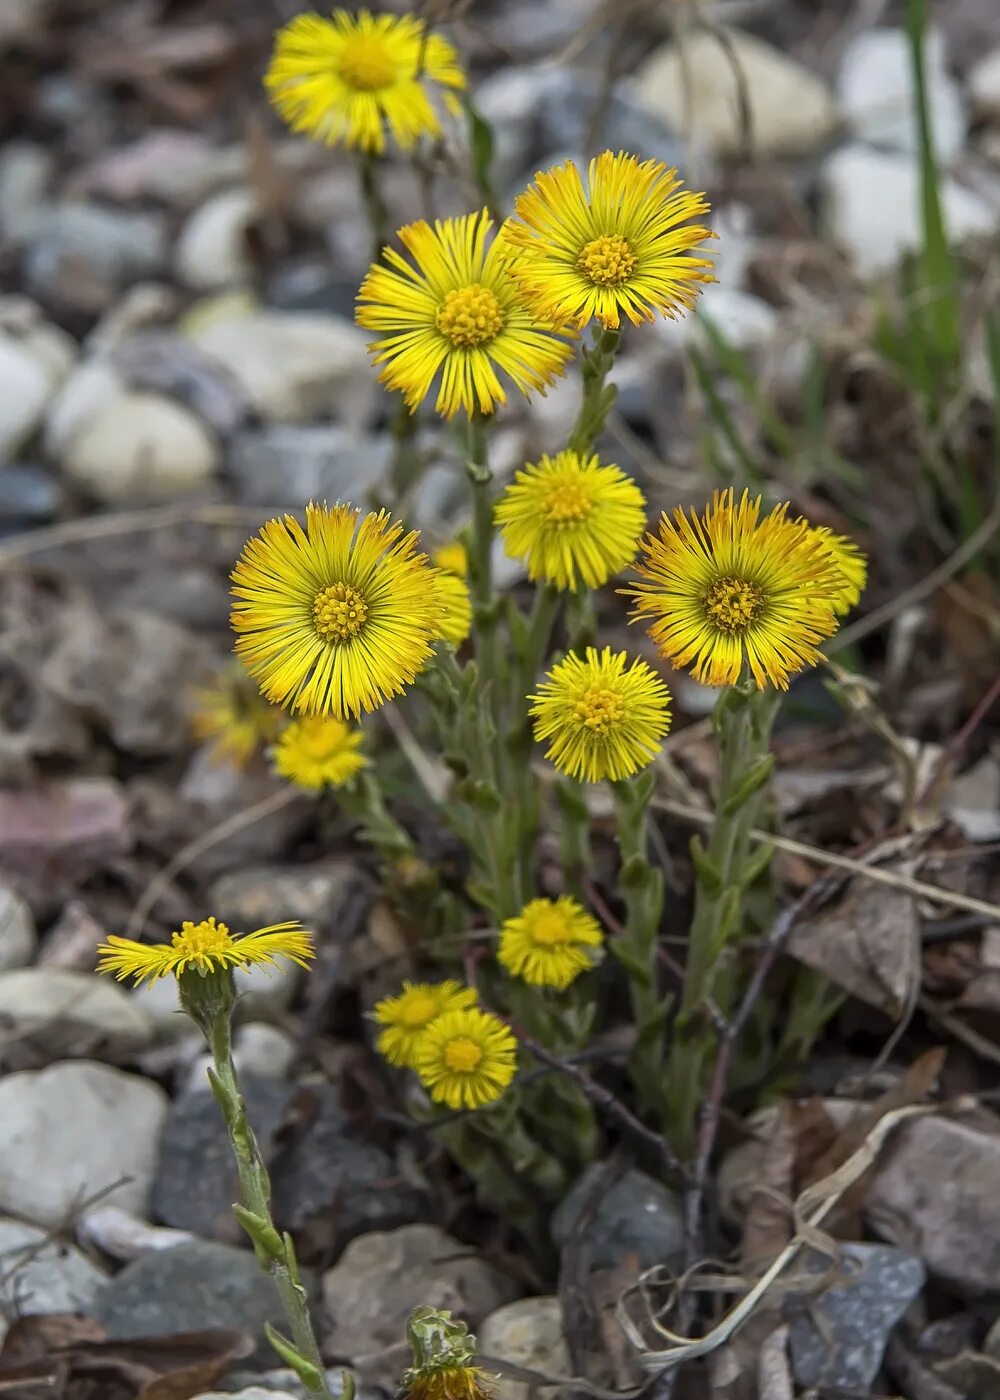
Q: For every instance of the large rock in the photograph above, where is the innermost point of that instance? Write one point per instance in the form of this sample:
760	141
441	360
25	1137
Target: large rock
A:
213	249
54	1012
290	464
83	255
381	1277
72	1130
39	1274
18	938
638	1216
776	87
875	89
527	1333
35	357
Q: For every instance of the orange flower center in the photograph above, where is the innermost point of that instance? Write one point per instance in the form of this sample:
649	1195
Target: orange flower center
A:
599	709
470	316
462	1055
339	612
733	604
607	261
366	65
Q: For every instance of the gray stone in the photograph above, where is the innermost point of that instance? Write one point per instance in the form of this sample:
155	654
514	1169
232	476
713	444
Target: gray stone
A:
72	1130
39	1274
257	896
54	1011
195	1183
984	84
83	255
25	172
213	247
35	358
526	1333
280	1384
291	465
18	938
638	1216
875	90
28	496
838	1333
568	110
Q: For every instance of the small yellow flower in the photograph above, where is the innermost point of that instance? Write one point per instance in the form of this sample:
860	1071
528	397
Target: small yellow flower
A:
232	713
601	720
550	942
204	948
318	752
852	564
728	591
345	79
455	600
620	246
408	1015
466	1059
337	618
573	521
455	314
453	558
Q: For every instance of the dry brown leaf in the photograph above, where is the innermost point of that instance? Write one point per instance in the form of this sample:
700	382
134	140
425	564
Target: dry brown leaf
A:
767	1227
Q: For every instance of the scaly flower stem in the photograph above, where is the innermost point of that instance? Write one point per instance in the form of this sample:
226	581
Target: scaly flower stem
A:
274	1251
575	843
371	197
481	559
523	812
598	395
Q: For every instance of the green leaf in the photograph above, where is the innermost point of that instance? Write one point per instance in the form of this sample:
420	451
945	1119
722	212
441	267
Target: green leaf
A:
310	1376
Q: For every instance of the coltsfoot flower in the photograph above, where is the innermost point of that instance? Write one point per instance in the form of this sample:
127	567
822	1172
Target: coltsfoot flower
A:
466	1059
455	311
852	564
619	246
346	79
407	1015
204	948
319	751
550	942
444	1355
726	591
336	618
573	521
233	715
601	720
453	558
455	621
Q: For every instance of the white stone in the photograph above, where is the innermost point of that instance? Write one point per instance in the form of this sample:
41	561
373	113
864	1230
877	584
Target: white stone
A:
984	84
92	385
141	447
295	366
35	357
250	1392
18	938
59	1011
123	1236
263	1050
694	89
743	319
70	1131
527	1333
872	207
212	248
25	172
875	90
40	1275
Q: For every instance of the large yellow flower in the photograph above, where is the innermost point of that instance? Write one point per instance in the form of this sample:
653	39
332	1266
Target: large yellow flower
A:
407	1015
319	751
728	591
336	618
601	720
550	942
232	713
204	948
852	564
622	245
466	1059
345	79
573	521
455	311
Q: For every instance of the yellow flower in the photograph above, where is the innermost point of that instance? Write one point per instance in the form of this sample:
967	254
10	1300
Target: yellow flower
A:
602	720
453	558
233	714
344	79
455	311
466	1059
455	622
318	752
204	948
852	564
336	618
408	1015
727	591
573	521
548	943
621	246
447	1383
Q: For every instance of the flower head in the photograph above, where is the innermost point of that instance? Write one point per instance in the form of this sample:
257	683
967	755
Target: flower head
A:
622	245
204	948
336	618
232	713
345	79
601	720
408	1015
453	558
550	942
319	751
455	622
573	521
455	311
466	1059
444	1354
727	590
852	564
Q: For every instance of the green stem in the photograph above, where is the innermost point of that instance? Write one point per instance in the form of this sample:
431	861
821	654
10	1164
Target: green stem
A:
524	809
481	559
371	197
598	395
575	842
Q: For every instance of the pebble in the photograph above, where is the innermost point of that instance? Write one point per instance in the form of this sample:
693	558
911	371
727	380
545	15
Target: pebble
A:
123	1236
18	937
875	91
25	172
745	320
84	254
526	1333
291	464
212	250
984	85
260	1050
62	830
313	893
638	1216
92	386
35	357
55	1011
381	1277
838	1332
72	1130
706	100
281	1384
872	207
39	1274
28	496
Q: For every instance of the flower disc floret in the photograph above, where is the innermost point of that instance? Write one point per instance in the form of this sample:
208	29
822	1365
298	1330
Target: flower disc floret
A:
619	245
451	312
351	79
466	1059
550	942
601	717
407	1015
204	948
318	752
572	521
